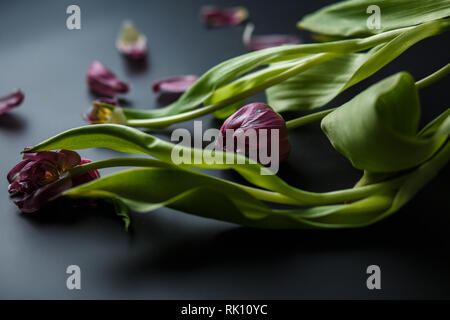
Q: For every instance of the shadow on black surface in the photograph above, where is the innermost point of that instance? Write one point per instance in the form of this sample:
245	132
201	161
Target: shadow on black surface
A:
135	67
166	98
419	230
11	122
69	212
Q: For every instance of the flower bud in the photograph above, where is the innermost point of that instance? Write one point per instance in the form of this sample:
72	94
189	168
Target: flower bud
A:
131	43
10	101
255	117
100	113
223	17
40	177
177	84
102	81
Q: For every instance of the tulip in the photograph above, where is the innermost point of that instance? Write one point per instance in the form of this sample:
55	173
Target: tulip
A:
178	84
41	177
12	100
255	116
266	41
131	43
102	81
223	17
102	114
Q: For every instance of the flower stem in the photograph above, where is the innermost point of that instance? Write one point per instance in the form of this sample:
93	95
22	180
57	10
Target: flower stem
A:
317	116
260	194
432	78
301	121
167	121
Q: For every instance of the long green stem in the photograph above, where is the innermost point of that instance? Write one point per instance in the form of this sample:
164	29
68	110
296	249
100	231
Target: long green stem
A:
304	120
320	53
432	78
264	195
166	121
317	116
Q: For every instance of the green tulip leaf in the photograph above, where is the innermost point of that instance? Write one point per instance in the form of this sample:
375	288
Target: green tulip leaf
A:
350	18
236	79
320	84
377	130
147	189
130	140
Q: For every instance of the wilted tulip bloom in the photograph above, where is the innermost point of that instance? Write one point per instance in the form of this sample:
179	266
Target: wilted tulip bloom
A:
12	100
266	41
131	42
258	132
41	177
101	114
102	81
177	84
223	17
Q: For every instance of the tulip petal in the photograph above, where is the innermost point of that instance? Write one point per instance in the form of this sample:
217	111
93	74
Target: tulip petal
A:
131	43
177	84
223	17
12	174
266	41
102	81
85	177
12	100
36	200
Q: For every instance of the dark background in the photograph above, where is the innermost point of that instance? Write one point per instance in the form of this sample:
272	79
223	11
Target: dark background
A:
168	254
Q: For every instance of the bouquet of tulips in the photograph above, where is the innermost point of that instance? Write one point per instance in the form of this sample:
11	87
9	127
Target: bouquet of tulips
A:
377	130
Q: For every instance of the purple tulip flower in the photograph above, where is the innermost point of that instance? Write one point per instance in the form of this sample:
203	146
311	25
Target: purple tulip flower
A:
102	81
41	177
255	116
12	100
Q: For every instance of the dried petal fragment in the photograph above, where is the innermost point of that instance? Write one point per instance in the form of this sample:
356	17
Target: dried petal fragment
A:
131	42
223	17
177	84
10	101
266	41
102	81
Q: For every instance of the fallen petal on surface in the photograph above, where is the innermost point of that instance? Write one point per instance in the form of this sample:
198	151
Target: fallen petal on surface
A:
10	101
177	84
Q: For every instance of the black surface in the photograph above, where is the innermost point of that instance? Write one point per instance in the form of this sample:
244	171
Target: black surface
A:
169	254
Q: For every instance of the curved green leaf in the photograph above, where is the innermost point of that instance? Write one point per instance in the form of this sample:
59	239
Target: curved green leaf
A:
349	18
125	139
315	87
417	179
319	85
377	130
147	189
226	72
